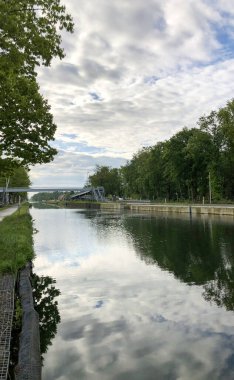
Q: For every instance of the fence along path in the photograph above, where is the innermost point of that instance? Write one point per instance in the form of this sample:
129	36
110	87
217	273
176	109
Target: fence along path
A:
7	291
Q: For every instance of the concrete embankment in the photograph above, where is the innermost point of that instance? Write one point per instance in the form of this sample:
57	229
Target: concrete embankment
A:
152	208
191	209
114	206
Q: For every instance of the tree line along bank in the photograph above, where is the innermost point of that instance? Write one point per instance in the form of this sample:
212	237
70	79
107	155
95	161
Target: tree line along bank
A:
189	166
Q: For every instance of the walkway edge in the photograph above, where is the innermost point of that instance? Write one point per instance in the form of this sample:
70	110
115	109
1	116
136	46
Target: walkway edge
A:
7	291
29	358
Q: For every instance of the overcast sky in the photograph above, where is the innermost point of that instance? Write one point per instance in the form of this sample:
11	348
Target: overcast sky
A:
135	73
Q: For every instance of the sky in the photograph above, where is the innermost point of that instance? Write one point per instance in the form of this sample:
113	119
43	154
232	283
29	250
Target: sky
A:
135	73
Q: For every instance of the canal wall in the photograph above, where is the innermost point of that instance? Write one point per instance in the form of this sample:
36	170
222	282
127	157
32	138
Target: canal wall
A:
149	207
114	206
194	210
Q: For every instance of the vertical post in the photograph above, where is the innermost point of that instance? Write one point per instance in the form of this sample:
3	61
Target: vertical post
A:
5	196
209	188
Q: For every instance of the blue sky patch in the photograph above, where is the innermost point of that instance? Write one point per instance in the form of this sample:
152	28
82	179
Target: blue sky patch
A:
99	304
70	135
95	96
227	42
151	79
77	146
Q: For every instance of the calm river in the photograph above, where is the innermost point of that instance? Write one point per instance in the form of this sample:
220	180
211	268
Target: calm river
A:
142	297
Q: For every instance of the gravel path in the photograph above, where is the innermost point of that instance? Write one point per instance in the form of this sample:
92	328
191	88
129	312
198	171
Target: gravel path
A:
7	211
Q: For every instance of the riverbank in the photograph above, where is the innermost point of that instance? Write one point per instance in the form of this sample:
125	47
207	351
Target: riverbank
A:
189	209
16	242
16	249
153	208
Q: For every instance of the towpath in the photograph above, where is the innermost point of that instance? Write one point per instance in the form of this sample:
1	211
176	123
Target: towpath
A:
8	211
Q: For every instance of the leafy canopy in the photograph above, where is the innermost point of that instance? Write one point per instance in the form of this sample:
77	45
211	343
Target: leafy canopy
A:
30	32
29	37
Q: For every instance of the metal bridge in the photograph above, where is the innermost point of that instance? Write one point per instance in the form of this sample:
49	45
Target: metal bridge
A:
85	193
90	193
38	189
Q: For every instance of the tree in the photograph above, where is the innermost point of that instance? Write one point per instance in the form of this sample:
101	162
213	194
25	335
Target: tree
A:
159	185
29	37
201	152
26	125
136	175
29	33
19	178
107	177
44	294
178	165
220	125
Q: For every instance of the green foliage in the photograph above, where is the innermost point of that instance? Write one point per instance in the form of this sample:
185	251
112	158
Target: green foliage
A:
44	294
39	197
19	178
220	126
179	168
191	251
29	37
107	177
26	125
15	176
7	167
30	32
16	242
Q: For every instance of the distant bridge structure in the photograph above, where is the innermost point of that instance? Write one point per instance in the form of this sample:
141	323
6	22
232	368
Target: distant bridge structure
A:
90	193
38	189
85	193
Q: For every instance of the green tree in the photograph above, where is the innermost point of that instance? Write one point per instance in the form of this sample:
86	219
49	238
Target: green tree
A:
29	37
177	168
220	125
26	125
159	185
107	177
44	294
136	175
201	153
19	178
30	33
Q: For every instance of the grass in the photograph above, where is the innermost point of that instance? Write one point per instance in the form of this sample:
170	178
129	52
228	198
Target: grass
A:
16	240
4	208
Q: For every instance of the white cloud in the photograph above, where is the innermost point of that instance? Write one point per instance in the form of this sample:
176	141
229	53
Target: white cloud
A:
156	67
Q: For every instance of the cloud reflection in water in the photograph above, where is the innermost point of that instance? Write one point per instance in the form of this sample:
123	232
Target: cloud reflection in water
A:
123	319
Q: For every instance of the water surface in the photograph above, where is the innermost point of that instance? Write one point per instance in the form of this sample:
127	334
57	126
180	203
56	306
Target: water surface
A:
142	297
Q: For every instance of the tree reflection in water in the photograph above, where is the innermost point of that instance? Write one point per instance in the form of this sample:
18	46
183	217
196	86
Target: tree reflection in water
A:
198	252
221	290
44	293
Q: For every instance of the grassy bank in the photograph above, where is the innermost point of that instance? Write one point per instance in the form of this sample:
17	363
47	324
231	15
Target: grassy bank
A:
16	241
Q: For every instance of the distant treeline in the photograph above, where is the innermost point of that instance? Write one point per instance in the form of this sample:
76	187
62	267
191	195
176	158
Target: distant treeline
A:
185	167
55	195
16	177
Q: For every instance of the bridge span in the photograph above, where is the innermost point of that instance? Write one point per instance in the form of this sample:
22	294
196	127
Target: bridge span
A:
85	193
39	189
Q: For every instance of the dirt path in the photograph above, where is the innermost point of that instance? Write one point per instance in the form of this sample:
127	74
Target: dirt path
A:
7	212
